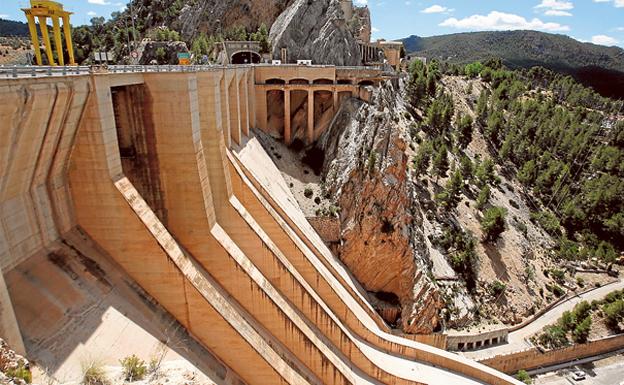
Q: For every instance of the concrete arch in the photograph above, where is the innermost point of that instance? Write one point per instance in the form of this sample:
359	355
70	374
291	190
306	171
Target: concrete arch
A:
275	81
299	81
323	81
245	57
366	83
344	81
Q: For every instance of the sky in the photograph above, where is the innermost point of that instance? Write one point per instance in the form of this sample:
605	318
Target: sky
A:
597	21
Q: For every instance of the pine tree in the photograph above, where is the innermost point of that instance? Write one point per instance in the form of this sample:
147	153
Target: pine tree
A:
440	162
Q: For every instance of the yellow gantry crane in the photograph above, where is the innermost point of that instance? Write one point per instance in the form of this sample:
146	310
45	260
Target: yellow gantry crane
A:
42	10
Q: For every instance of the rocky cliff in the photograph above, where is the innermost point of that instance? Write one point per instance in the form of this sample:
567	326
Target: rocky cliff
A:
192	17
315	30
366	170
210	16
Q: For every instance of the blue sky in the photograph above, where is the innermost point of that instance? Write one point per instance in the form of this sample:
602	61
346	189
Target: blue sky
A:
598	21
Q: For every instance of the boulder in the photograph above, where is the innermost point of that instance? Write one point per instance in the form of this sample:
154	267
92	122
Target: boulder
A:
317	31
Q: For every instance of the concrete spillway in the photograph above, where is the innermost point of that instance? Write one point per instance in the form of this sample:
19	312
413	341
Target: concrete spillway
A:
160	174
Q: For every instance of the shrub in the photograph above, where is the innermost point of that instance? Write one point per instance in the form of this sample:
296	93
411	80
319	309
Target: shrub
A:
582	310
484	197
134	368
581	332
94	375
20	372
308	193
558	275
497	288
614	314
523	376
556	290
553	337
493	223
547	221
568	321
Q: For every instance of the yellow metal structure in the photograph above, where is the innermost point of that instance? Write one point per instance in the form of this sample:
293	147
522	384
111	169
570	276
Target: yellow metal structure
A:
42	10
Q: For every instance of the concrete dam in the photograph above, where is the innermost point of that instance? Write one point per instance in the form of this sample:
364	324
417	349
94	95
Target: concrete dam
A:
150	188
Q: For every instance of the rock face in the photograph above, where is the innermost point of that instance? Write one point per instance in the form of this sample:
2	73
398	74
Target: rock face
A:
210	16
161	52
367	170
315	30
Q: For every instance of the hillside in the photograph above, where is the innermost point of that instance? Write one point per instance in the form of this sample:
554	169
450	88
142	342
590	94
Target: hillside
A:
13	28
599	67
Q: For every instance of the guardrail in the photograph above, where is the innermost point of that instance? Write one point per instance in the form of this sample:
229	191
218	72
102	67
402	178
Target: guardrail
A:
17	71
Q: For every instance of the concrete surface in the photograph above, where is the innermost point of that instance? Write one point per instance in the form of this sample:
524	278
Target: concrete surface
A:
518	339
609	371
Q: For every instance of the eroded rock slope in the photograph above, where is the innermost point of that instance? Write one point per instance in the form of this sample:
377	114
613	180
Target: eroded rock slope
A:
315	30
367	172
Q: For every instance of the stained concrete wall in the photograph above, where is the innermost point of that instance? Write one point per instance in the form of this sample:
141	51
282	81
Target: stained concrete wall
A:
534	359
227	253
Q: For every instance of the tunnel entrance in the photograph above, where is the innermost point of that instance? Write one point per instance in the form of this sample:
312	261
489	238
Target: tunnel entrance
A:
136	138
245	57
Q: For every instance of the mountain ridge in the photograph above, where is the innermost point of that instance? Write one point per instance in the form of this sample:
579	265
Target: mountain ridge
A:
597	66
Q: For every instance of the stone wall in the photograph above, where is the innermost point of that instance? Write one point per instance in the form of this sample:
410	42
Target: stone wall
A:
534	358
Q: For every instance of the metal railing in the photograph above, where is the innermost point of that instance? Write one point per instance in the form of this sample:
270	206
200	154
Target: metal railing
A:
22	71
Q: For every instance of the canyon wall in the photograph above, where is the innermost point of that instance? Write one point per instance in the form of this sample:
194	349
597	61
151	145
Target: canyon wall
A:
315	30
367	170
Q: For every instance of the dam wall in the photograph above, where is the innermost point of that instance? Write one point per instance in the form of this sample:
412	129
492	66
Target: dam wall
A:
160	175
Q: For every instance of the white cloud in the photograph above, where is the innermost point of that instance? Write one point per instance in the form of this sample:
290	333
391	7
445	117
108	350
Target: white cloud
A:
616	3
361	2
619	29
500	21
98	2
554	12
373	29
91	13
556	5
4	16
435	9
604	40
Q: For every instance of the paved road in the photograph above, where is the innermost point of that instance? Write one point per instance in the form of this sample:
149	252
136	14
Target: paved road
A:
605	372
517	339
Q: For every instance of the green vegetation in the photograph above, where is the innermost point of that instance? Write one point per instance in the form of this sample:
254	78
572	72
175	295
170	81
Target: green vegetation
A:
553	337
308	193
548	221
563	150
613	310
518	50
523	376
497	288
581	332
493	223
484	197
20	372
372	161
463	133
94	374
134	368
